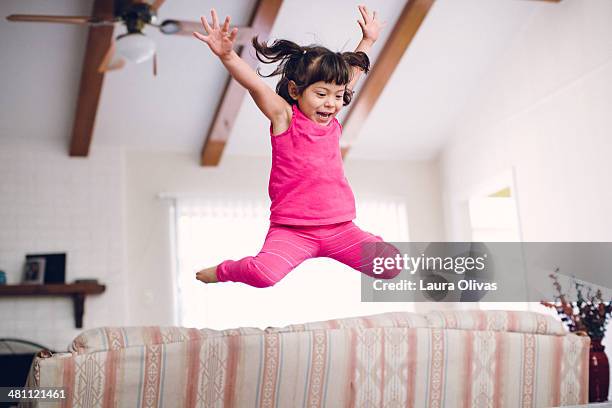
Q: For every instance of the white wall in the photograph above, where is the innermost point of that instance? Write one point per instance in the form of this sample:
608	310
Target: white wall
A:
148	245
546	112
52	203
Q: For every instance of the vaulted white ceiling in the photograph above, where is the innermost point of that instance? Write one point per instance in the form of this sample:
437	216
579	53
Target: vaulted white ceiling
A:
457	45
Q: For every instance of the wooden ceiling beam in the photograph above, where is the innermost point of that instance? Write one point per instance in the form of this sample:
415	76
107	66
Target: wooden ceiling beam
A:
399	39
225	116
98	40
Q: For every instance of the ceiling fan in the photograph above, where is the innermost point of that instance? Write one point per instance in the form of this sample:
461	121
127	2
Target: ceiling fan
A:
133	46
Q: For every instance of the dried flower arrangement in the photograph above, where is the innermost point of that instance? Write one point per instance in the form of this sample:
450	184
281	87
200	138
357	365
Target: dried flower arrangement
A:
587	314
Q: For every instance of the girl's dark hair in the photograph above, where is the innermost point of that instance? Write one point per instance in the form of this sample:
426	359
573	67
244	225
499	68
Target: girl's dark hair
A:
309	64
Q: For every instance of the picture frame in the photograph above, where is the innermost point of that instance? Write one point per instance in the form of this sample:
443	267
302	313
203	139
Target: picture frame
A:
55	266
34	271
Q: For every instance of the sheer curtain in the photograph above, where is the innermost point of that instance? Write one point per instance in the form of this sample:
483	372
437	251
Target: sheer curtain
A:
208	231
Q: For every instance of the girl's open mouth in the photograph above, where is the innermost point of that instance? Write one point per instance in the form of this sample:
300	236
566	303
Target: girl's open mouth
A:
324	115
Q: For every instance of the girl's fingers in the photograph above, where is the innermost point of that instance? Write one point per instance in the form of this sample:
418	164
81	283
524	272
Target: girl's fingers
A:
226	24
200	37
205	24
361	24
215	20
367	13
233	34
363	13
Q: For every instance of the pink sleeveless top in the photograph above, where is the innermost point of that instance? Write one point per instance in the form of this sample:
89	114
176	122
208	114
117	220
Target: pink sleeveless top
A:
307	182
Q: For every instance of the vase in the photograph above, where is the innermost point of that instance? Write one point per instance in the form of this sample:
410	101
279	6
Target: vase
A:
599	372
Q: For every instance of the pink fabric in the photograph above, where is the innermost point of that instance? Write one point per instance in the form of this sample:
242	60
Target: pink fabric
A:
287	246
307	182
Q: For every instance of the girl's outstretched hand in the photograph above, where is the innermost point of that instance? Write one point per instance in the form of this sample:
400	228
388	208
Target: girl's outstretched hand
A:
371	26
220	39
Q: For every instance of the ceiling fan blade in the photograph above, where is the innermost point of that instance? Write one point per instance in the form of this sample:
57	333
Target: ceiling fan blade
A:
157	4
35	18
111	60
186	28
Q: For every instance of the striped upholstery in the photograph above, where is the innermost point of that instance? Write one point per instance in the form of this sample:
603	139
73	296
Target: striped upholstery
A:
496	320
390	319
387	360
116	338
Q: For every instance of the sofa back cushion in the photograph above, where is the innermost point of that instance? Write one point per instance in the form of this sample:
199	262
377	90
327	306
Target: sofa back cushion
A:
389	319
115	338
496	320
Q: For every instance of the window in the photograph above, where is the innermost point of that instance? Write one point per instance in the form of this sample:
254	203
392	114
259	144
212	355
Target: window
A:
209	231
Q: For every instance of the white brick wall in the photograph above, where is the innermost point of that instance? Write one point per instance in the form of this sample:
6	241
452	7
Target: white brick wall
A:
50	202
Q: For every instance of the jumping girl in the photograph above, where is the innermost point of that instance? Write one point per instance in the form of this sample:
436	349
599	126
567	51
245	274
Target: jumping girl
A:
312	203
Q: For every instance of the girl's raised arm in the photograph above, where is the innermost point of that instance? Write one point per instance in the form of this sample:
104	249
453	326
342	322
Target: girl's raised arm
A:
220	40
371	27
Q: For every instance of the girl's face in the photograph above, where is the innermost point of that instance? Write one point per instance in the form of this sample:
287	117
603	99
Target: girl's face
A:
321	101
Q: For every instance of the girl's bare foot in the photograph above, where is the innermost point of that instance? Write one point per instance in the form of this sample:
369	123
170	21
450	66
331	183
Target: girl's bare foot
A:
208	275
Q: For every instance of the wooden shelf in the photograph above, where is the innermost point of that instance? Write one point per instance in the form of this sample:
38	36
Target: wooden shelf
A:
77	291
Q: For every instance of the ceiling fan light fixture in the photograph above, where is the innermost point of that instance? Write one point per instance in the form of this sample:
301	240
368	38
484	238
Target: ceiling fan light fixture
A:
135	47
170	27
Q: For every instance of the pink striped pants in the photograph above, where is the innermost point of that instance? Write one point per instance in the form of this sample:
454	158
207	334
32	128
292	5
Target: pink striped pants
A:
287	246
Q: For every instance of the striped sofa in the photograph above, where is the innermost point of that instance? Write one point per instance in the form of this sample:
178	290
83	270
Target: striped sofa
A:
439	359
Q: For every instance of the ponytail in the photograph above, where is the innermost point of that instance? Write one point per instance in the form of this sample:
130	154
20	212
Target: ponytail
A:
357	59
278	51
